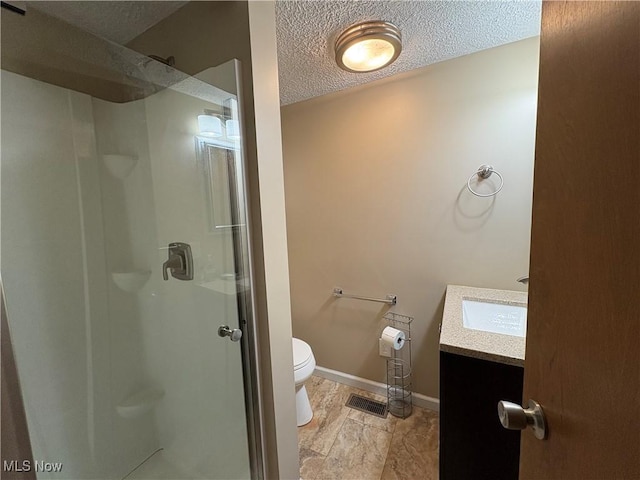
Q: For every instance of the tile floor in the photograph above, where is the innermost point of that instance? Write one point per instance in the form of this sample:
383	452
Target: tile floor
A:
342	443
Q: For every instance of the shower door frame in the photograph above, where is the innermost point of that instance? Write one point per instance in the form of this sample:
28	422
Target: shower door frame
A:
246	307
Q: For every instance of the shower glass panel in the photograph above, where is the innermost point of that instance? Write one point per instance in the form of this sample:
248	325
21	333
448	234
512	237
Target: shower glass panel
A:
123	374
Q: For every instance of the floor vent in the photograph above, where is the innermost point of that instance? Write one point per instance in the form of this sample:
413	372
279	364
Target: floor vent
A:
367	405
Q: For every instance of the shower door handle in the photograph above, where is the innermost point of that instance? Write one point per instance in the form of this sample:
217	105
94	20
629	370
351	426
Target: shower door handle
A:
179	263
233	334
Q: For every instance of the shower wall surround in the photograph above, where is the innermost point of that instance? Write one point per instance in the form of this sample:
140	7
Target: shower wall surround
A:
41	171
375	181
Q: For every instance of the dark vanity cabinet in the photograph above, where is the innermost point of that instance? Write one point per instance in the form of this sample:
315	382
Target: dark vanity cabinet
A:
473	443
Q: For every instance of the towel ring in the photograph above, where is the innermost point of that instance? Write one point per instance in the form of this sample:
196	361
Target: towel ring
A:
484	172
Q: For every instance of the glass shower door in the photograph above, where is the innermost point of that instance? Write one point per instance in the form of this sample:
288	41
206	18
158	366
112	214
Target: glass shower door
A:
196	184
124	373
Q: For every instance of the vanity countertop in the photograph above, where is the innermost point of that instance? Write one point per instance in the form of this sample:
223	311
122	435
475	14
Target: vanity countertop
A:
496	347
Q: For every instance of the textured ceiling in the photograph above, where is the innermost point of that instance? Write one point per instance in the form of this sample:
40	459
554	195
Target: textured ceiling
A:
118	21
432	31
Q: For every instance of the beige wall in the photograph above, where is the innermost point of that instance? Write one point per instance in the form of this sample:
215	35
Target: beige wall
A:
375	182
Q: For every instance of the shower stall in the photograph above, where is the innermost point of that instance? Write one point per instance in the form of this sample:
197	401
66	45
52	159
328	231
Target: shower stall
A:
125	258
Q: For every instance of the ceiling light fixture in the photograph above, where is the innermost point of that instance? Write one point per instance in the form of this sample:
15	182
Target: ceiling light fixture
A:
368	46
209	126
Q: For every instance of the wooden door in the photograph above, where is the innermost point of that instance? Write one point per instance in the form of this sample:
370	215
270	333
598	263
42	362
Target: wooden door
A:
583	340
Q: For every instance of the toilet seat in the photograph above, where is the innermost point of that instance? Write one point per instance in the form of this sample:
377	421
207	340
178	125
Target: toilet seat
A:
302	354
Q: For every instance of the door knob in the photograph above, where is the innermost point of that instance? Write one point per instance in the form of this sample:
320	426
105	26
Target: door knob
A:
514	417
233	334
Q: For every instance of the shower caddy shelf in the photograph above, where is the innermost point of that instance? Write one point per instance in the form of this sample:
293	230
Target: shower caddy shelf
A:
399	397
140	403
132	281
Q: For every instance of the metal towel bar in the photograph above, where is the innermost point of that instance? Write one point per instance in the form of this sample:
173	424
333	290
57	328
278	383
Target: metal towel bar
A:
390	299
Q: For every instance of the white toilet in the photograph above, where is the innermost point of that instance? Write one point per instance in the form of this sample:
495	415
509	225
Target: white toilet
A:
303	365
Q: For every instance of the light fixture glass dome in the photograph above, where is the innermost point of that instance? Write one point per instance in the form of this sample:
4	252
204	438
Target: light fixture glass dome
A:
209	126
368	46
233	129
368	55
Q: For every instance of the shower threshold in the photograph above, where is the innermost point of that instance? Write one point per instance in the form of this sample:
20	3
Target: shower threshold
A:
157	467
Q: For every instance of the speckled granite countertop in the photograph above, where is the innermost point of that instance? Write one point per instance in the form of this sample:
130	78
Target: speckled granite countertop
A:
496	347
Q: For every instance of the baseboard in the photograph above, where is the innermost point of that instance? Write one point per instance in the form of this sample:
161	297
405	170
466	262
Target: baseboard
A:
378	388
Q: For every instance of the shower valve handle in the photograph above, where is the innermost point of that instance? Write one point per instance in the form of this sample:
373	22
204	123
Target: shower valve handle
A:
174	262
180	262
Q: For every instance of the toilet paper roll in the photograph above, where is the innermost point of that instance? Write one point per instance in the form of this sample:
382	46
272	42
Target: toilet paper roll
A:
393	337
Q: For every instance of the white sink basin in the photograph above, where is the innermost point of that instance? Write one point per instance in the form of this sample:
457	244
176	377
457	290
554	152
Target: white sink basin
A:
494	317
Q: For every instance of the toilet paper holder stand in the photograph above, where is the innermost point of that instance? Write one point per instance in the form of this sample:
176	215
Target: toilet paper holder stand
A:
399	369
